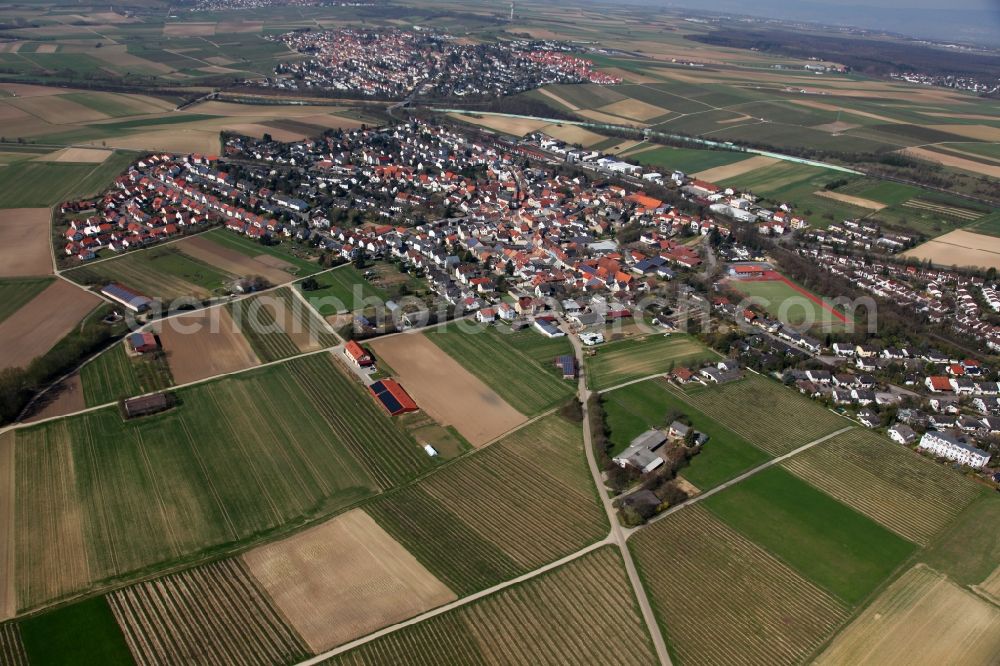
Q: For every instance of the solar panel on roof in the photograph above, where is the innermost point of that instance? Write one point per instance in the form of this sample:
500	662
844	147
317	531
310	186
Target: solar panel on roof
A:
390	402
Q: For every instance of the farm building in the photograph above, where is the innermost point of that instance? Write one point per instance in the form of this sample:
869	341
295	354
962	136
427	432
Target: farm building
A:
147	404
133	300
567	364
357	354
392	396
640	452
142	343
548	328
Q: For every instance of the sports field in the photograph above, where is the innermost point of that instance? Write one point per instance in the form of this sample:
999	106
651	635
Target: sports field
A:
922	618
842	551
216	611
619	362
518	366
634	409
722	599
897	488
238	457
790	303
581	613
773	417
114	375
518	504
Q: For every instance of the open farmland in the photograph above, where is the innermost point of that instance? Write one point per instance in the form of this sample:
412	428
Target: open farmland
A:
922	618
965	552
520	503
15	293
772	417
581	613
24	242
215	613
164	272
114	375
204	344
343	579
42	322
239	457
515	365
448	392
63	635
278	325
897	488
619	362
285	257
11	647
8	482
633	409
959	248
720	598
36	184
842	551
203	248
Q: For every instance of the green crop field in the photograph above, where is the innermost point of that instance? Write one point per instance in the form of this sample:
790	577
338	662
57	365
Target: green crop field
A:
338	290
284	250
623	361
897	488
688	160
842	551
80	634
16	292
966	551
163	272
237	458
788	305
634	409
514	506
581	613
722	599
774	418
114	375
278	325
518	366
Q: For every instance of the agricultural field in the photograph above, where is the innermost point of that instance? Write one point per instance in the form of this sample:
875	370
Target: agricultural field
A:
279	324
634	409
25	242
582	612
248	261
294	262
721	598
14	293
959	248
342	290
619	362
921	618
37	184
213	613
159	272
304	441
516	505
688	160
343	579
11	647
204	344
515	365
792	304
899	489
81	633
965	552
114	375
842	551
444	389
770	416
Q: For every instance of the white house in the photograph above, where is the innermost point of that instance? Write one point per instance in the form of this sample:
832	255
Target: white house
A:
902	433
948	446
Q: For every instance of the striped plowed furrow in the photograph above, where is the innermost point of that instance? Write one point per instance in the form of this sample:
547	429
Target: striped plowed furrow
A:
11	648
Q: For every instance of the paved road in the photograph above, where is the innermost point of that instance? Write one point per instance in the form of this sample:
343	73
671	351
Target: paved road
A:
617	536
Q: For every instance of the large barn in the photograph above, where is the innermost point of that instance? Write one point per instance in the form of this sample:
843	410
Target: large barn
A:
131	299
392	396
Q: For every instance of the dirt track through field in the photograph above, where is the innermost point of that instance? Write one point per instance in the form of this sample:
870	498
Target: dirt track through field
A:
344	579
42	322
447	391
203	345
232	261
725	171
8	590
24	242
